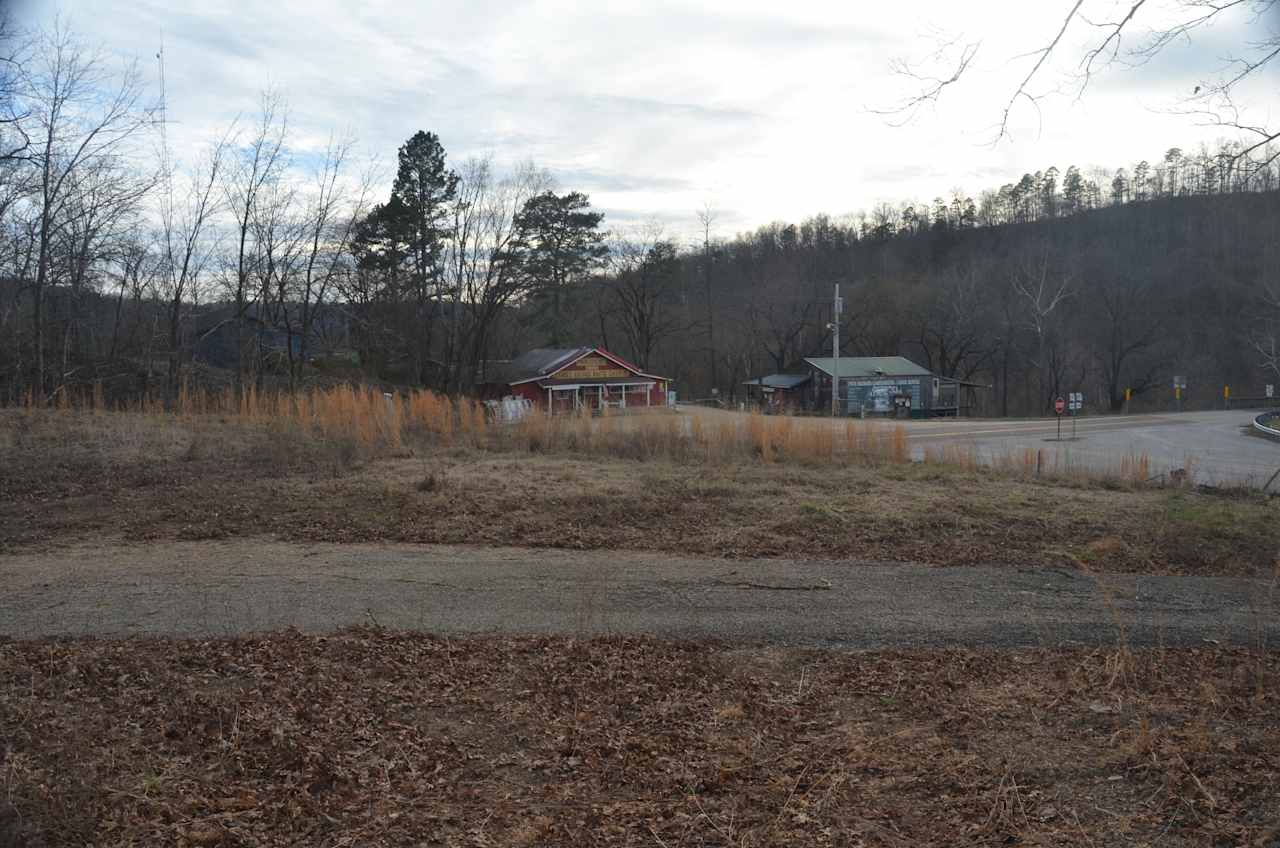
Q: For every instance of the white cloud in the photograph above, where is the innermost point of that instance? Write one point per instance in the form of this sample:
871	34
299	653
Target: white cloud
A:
658	107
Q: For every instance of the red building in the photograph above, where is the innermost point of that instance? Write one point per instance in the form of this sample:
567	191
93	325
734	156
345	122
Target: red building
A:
568	379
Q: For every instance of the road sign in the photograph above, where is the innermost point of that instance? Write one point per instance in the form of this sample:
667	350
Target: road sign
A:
1179	382
1271	390
1059	406
1076	401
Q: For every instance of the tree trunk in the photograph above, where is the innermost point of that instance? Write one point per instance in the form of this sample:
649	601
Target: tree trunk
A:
1004	384
38	319
175	354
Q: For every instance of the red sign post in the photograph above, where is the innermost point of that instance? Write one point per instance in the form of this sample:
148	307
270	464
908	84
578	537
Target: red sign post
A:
1059	407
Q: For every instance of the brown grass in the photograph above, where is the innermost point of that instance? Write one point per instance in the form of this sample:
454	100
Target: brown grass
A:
362	422
373	738
76	477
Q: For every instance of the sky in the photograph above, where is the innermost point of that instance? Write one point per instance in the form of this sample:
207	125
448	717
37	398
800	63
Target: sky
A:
764	111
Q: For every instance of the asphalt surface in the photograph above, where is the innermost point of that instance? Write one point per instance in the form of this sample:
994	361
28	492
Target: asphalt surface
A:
1216	448
243	586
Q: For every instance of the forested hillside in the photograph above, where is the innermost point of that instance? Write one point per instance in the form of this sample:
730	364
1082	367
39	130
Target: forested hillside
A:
125	266
1100	300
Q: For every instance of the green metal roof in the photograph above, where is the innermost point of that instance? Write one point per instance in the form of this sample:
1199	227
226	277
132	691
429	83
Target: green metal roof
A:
857	367
780	381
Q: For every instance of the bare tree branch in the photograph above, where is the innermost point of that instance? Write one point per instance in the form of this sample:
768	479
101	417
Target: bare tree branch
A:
933	86
1112	41
1189	16
1044	53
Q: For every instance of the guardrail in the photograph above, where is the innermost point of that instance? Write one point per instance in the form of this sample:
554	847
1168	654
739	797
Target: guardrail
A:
1268	423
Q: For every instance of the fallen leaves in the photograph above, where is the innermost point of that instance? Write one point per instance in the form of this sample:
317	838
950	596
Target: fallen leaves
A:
374	738
203	835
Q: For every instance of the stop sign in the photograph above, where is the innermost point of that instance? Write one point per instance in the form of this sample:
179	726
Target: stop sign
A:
1059	406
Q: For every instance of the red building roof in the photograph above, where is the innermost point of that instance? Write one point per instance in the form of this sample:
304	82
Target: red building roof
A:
544	363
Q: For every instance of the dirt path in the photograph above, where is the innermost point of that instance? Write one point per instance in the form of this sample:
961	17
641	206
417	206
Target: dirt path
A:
240	586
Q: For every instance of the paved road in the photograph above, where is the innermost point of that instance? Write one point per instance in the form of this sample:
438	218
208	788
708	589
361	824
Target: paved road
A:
235	587
1216	447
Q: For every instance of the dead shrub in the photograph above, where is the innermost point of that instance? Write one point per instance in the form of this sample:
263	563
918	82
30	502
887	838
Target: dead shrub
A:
430	482
194	452
1106	548
344	451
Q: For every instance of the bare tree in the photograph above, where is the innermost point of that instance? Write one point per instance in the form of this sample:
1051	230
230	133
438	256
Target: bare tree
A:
102	215
252	166
782	329
186	247
79	114
278	238
1126	330
14	141
139	268
18	256
325	229
707	221
644	270
484	257
463	258
1266	339
954	327
1041	290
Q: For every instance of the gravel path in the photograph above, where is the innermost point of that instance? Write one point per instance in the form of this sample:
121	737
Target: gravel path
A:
242	586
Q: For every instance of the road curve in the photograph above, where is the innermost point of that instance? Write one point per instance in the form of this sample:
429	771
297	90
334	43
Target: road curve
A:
243	586
1217	448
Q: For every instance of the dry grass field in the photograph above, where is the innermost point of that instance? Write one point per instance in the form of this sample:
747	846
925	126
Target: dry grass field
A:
377	738
338	467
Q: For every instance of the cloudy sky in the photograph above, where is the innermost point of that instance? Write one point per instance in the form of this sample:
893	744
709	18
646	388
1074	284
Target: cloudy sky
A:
766	110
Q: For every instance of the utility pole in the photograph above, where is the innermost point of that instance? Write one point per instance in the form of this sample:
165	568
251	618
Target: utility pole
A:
837	308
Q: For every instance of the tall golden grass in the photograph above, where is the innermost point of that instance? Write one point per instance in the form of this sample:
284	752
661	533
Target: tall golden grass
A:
374	420
364	415
659	435
380	423
1129	469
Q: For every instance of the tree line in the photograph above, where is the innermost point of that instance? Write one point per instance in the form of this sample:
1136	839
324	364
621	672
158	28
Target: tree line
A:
1034	290
123	267
263	263
1121	297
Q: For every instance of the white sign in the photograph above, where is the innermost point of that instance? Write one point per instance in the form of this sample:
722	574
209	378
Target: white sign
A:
1271	390
1077	401
1179	382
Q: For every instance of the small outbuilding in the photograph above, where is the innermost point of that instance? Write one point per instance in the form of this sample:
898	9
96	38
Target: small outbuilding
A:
569	379
778	392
